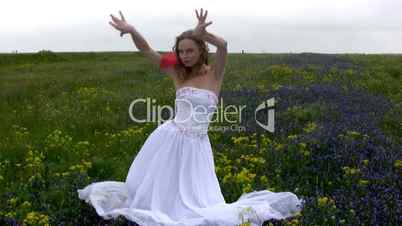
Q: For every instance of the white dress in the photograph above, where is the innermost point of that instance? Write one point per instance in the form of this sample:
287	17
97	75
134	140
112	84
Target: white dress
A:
172	180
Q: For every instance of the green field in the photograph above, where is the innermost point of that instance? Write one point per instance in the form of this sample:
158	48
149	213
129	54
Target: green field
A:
338	140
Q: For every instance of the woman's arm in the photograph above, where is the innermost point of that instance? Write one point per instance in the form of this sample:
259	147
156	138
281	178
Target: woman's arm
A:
214	40
221	53
151	54
144	47
219	42
139	41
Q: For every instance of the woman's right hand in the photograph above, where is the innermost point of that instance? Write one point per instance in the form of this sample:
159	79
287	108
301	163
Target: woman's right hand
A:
121	24
200	28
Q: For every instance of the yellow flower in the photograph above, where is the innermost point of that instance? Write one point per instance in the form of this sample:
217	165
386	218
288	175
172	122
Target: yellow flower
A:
311	126
82	168
271	188
244	176
240	140
279	147
366	162
87	164
398	164
26	204
350	171
353	134
363	182
36	218
227	178
293	222
13	201
11	214
264	179
324	201
247	188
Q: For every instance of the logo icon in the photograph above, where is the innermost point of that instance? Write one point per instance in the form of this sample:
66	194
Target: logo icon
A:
267	105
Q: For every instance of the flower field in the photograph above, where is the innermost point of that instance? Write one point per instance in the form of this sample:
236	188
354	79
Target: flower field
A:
337	141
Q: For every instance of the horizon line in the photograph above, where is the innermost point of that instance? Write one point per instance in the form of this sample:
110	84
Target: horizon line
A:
240	52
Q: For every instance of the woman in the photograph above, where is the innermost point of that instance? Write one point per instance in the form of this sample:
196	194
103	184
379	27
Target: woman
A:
192	53
172	179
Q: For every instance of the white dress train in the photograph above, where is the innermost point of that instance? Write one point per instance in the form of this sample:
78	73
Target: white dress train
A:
172	180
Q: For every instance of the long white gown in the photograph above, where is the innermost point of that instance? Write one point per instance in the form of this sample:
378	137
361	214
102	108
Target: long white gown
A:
172	180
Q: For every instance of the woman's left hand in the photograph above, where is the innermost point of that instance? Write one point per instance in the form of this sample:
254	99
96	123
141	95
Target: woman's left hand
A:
200	28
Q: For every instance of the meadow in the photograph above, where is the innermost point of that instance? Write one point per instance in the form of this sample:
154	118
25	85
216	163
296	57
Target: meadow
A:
337	141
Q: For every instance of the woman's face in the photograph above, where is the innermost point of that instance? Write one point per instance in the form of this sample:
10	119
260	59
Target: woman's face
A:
188	52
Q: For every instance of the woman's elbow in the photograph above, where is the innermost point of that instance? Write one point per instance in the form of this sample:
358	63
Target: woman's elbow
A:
225	45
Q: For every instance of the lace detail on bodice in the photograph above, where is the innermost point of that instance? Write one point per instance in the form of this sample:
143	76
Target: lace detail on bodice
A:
194	108
190	90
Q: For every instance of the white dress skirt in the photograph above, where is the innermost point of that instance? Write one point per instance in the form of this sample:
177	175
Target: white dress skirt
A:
172	180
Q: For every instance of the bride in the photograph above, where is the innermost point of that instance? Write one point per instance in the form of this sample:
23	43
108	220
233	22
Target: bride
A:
172	180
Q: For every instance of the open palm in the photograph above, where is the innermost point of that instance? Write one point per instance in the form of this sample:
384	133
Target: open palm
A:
121	24
200	28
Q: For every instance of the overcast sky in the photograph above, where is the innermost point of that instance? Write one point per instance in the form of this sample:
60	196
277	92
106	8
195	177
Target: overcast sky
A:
271	26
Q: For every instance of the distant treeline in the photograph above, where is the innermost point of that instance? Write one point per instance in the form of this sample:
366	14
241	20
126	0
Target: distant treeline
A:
48	56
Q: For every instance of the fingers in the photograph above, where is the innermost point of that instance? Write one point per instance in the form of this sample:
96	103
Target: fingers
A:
117	28
200	16
205	15
203	26
122	17
115	19
114	25
207	24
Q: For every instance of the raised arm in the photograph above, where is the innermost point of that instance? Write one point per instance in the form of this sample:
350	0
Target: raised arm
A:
221	53
139	41
218	42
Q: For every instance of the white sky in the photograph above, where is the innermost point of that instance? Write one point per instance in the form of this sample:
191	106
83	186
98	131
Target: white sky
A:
325	26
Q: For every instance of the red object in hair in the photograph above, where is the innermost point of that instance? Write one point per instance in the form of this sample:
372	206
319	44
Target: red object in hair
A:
168	60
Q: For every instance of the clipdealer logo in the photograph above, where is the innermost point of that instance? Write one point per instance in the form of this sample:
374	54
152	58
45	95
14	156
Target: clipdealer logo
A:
267	105
154	112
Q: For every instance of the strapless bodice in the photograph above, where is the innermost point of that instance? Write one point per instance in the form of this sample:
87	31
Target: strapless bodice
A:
194	108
